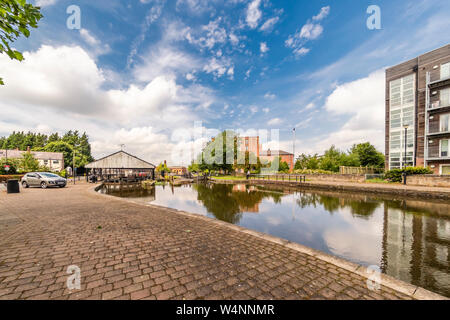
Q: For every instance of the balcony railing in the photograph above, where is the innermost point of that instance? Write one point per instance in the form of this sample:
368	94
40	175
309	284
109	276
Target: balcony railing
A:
436	79
438	105
437	130
435	153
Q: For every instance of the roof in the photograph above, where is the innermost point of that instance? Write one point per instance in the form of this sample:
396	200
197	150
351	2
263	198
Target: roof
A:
120	160
177	167
275	153
39	155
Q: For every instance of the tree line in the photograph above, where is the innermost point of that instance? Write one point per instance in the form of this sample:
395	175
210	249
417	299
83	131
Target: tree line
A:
70	142
363	154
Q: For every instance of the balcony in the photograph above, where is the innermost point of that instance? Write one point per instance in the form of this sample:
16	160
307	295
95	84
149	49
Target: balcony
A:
439	82
436	131
437	105
434	153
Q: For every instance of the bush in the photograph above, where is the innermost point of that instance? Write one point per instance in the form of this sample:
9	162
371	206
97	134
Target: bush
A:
4	178
395	175
309	171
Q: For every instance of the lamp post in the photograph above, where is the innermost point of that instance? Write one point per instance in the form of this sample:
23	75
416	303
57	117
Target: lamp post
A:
405	126
73	165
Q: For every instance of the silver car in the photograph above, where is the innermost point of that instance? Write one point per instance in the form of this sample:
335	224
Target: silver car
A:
43	180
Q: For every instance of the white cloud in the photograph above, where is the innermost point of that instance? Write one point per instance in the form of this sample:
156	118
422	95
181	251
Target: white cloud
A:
301	51
253	14
309	31
363	102
266	110
269	24
209	35
269	96
219	67
165	59
45	3
56	88
96	45
152	15
263	47
253	109
324	12
275	121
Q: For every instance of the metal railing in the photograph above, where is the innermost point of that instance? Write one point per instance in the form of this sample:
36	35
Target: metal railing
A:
279	177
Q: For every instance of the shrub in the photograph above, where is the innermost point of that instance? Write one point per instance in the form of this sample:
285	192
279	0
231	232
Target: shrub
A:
4	178
310	171
395	175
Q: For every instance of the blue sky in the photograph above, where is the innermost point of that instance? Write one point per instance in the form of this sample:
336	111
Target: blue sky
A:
142	72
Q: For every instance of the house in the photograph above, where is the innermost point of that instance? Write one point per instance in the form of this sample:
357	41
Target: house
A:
418	112
179	171
271	155
52	160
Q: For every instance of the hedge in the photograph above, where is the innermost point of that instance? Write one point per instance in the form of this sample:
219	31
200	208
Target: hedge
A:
395	175
4	178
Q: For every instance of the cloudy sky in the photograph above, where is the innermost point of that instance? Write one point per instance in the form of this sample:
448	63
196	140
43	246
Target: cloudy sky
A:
142	72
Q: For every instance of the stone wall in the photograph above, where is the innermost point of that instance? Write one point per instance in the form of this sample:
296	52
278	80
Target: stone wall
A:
428	180
336	177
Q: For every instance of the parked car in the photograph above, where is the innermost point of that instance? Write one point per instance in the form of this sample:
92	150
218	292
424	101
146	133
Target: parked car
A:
43	180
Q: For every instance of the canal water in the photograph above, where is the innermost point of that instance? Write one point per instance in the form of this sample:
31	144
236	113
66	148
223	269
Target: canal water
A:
407	239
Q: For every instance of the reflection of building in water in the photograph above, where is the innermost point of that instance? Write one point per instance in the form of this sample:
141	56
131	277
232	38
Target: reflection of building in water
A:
245	207
416	247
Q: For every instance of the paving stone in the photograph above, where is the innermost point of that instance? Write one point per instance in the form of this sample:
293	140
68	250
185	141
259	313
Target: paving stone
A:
144	253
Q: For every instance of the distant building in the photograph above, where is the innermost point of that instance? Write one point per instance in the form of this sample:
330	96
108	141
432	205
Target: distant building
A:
249	144
270	155
52	160
121	163
418	104
178	170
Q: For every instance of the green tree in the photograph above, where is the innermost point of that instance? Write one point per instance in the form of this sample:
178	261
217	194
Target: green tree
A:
64	148
162	167
16	17
368	155
305	161
29	162
331	160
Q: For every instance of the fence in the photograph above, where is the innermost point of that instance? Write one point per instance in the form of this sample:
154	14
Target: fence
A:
358	170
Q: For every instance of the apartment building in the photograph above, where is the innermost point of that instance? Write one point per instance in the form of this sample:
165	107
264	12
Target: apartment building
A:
250	144
418	112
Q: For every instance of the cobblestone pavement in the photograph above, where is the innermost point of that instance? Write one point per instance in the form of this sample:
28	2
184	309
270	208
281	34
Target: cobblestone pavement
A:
130	251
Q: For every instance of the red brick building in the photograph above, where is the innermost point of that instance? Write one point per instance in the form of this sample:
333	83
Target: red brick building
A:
270	155
418	104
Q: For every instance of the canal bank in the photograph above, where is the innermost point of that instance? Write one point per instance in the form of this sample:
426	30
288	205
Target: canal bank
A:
440	193
127	250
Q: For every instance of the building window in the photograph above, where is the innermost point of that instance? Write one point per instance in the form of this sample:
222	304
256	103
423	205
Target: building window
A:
445	97
55	161
444	148
445	122
445	70
402	112
45	162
